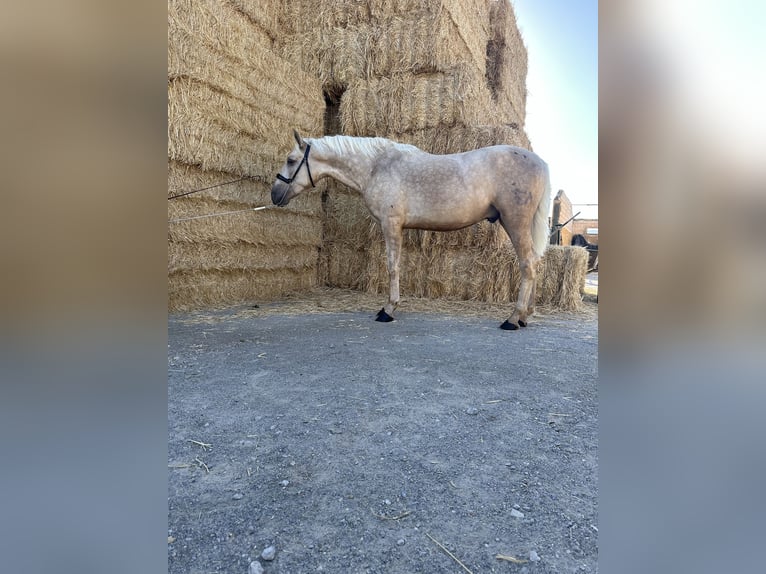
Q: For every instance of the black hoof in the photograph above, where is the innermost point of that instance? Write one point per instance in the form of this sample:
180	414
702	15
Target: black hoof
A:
384	317
509	326
522	323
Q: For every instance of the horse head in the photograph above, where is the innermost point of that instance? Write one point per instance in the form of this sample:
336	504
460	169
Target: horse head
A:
295	175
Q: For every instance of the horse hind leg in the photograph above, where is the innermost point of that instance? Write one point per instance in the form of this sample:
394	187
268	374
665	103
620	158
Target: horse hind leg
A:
532	299
525	301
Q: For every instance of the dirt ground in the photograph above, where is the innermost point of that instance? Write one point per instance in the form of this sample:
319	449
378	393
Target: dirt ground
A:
354	446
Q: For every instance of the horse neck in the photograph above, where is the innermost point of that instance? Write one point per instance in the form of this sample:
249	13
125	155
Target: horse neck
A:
350	168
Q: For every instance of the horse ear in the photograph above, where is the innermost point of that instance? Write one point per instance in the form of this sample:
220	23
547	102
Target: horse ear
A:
298	139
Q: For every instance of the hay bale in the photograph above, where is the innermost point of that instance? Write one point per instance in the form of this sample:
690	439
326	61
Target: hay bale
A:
435	42
202	142
239	256
407	103
269	227
413	43
263	14
488	274
457	139
223	24
428	72
310	16
232	104
205	289
507	62
230	99
198	103
259	77
563	277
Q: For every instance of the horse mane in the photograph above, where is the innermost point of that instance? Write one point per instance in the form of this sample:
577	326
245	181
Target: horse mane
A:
370	146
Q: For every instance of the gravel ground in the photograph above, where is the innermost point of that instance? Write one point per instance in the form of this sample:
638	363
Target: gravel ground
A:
351	446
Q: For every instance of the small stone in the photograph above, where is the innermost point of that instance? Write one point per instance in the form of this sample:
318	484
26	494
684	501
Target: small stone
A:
516	514
255	568
269	553
472	411
400	542
237	496
533	557
285	483
516	506
387	502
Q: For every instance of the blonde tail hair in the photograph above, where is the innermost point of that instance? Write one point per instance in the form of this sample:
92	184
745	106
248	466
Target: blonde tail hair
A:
540	230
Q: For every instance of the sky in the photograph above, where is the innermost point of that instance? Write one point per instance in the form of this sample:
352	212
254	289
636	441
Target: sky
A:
561	37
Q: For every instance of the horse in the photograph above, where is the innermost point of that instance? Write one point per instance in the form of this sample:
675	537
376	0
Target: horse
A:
405	187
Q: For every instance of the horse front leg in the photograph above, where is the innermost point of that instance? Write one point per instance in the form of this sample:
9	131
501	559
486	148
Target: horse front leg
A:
393	238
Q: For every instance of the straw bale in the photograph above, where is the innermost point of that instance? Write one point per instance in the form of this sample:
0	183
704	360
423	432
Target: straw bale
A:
490	275
221	139
457	139
506	71
269	227
264	14
422	44
565	270
262	80
203	142
336	56
410	44
345	266
229	98
202	104
223	24
472	20
241	256
310	16
301	16
406	103
238	255
250	192
205	289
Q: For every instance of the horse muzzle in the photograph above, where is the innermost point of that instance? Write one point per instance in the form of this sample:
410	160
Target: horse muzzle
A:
280	194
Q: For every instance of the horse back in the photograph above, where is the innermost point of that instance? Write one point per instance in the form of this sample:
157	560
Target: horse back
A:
453	190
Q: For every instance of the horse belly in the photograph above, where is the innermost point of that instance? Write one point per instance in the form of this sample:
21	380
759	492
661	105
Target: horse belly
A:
445	193
447	215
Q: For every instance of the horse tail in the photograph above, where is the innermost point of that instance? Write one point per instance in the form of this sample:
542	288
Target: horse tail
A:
540	230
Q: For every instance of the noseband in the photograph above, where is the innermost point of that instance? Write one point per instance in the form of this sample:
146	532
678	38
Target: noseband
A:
305	160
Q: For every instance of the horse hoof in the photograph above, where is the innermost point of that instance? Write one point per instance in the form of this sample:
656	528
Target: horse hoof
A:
383	317
522	323
509	326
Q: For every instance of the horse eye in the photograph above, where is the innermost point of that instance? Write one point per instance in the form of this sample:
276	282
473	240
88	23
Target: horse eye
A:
291	161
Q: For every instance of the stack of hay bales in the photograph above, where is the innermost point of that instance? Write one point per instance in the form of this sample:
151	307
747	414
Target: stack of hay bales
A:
444	75
447	76
232	104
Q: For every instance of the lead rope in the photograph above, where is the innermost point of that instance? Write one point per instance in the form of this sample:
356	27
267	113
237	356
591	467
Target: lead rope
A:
221	213
215	214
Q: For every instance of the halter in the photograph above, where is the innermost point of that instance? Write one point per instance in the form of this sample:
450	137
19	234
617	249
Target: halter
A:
305	160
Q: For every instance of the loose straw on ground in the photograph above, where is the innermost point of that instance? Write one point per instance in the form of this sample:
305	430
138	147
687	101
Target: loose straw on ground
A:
450	554
398	517
511	559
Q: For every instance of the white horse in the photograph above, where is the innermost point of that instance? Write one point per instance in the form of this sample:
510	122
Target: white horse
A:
407	188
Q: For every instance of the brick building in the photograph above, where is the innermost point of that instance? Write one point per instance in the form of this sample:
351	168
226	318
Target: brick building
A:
588	228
